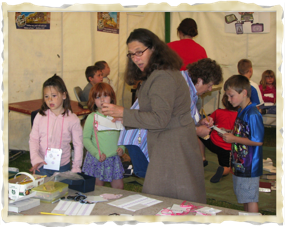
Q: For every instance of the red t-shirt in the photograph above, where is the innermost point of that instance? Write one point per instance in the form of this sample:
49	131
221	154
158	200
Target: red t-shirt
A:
268	90
188	50
223	118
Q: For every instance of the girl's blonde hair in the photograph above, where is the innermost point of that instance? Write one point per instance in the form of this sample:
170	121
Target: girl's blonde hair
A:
98	90
267	73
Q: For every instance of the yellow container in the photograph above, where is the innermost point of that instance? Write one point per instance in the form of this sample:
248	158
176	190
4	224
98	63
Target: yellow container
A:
51	191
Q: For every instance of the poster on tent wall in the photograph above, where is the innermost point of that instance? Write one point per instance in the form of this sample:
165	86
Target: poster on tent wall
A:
32	20
247	22
108	22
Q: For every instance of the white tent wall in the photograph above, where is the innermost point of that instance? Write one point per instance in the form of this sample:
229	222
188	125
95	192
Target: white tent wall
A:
228	48
71	44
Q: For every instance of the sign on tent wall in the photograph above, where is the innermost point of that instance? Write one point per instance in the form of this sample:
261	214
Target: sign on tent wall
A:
32	20
247	22
108	22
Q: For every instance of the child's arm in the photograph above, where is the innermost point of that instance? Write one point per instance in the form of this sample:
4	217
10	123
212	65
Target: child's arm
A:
230	138
77	140
88	133
37	159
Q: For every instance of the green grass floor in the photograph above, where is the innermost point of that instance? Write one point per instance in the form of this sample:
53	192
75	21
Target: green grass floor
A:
267	204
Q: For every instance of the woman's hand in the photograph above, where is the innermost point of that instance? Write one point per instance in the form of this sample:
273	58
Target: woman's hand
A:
202	131
36	167
120	151
208	123
118	119
102	158
113	110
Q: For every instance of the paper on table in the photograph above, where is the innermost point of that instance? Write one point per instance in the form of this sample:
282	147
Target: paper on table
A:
107	124
208	210
73	208
134	202
95	199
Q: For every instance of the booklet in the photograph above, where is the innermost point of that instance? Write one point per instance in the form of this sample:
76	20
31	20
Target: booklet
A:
107	124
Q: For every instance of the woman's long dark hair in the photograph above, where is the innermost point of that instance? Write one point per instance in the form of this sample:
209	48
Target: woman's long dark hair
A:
56	82
162	57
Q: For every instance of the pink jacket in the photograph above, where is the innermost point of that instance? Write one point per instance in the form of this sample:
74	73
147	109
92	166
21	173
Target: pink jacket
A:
72	131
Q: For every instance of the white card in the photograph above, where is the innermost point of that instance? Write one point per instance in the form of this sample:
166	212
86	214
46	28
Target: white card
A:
219	130
107	124
53	158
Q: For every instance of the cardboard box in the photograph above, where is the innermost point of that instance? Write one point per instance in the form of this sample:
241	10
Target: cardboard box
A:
86	185
21	185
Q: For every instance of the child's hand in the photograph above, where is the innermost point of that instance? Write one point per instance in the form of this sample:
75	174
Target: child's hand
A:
120	151
228	138
102	158
221	134
36	167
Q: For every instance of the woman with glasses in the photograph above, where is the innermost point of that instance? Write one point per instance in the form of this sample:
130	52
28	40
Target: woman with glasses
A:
175	167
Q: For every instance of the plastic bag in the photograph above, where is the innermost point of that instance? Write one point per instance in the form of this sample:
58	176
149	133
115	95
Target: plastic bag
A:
60	176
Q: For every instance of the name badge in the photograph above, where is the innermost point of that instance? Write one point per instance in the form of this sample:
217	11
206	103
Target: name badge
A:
53	158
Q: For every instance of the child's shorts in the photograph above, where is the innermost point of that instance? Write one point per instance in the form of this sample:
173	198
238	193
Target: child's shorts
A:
246	189
223	155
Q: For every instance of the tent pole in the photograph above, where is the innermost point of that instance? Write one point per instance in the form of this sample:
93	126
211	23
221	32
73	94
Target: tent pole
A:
167	27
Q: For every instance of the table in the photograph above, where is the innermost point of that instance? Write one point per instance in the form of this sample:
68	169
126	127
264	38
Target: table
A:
27	107
104	209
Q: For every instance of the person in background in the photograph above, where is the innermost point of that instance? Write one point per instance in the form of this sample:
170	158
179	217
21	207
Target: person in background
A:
103	157
223	119
54	128
200	77
268	90
247	140
104	67
187	48
245	68
175	163
93	75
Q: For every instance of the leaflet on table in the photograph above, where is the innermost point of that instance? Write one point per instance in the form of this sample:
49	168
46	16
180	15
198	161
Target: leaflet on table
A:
73	208
107	124
134	202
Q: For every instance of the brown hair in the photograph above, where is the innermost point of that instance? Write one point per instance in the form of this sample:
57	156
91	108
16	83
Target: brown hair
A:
267	73
98	90
91	71
244	65
162	57
58	83
206	69
227	104
188	27
238	83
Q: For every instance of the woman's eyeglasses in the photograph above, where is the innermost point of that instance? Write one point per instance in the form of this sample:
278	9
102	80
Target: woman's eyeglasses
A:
138	53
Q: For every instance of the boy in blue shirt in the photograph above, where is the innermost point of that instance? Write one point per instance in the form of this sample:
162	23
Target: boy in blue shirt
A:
247	140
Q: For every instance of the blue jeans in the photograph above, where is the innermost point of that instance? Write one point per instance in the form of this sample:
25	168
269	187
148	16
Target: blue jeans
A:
138	159
270	109
50	172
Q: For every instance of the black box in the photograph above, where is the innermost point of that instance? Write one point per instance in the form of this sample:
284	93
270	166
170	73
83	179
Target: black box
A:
86	185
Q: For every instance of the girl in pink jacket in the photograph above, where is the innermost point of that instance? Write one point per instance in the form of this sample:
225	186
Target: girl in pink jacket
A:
54	127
